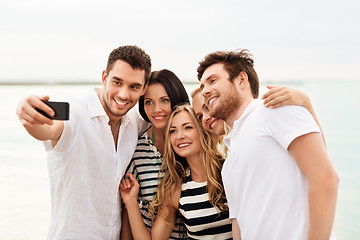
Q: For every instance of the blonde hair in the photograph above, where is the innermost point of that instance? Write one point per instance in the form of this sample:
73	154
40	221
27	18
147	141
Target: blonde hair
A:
175	166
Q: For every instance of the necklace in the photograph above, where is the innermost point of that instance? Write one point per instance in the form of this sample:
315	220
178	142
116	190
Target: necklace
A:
152	135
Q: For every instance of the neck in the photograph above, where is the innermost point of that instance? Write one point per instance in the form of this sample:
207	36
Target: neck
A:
159	137
114	121
159	133
237	114
197	168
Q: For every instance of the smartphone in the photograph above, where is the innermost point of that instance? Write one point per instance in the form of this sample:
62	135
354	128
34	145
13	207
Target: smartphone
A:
61	110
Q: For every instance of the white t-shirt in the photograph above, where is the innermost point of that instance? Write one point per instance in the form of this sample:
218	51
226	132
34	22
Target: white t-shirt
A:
85	170
265	189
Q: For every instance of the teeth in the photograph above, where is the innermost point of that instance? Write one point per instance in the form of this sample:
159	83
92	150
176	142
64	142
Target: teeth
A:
157	118
213	124
183	145
212	100
120	103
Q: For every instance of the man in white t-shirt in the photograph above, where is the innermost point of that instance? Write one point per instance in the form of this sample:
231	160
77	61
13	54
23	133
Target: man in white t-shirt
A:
278	179
88	155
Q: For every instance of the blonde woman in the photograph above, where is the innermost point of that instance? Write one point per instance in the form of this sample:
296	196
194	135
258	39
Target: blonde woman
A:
191	185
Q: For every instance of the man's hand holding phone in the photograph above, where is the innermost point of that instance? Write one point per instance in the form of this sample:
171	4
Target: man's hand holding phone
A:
42	127
35	110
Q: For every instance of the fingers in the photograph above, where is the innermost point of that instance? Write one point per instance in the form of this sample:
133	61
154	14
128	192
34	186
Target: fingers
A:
125	183
273	95
279	101
128	182
132	178
269	86
272	90
28	114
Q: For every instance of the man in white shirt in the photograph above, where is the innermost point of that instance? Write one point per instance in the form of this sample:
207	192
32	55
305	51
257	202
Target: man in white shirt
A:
88	155
278	179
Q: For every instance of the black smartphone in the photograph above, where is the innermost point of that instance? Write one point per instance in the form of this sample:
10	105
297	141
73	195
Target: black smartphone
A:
61	110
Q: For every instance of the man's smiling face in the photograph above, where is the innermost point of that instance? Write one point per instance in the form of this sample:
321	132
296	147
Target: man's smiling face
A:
221	95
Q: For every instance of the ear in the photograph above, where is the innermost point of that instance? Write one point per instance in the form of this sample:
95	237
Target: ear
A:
243	78
103	77
144	89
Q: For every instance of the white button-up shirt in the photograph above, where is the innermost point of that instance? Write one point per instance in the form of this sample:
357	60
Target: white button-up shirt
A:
85	170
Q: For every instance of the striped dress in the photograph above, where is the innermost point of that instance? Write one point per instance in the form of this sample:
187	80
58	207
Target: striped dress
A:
145	166
202	220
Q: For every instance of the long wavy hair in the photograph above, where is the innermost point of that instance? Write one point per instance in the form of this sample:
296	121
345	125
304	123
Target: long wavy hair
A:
174	166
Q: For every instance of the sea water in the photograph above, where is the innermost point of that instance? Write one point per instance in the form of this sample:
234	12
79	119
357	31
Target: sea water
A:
24	184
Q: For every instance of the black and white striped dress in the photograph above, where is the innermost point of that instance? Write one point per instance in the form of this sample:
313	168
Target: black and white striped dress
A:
202	220
145	166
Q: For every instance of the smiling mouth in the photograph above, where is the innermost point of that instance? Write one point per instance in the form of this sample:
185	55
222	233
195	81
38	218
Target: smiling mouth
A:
159	118
211	101
120	103
213	124
182	145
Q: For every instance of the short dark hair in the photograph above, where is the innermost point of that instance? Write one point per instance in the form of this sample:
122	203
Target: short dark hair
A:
173	87
134	56
234	63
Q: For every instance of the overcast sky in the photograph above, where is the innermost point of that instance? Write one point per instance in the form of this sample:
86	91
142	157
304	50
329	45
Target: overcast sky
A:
46	40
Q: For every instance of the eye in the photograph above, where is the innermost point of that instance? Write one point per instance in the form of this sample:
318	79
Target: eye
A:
135	87
200	117
148	102
188	127
117	83
165	100
172	131
212	80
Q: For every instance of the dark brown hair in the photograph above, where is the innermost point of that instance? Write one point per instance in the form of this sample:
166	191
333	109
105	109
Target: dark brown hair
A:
234	63
134	56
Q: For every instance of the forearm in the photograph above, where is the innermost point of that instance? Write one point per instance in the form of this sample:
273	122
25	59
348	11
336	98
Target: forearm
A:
125	232
235	230
43	132
138	228
322	205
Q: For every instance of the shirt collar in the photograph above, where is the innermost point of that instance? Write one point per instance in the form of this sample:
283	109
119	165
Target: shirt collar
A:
93	103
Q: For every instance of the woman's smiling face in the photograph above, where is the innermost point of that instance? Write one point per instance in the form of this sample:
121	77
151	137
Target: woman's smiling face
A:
209	123
157	105
184	135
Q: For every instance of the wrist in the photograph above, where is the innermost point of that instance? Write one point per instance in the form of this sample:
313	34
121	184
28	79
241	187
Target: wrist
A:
130	202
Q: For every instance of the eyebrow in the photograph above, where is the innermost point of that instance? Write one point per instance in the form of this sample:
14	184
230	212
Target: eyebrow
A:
160	97
121	80
184	124
117	78
211	76
206	79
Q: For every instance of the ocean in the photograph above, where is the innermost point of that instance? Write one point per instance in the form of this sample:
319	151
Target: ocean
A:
24	183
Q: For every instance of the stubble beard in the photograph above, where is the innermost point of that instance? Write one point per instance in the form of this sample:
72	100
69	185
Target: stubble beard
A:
226	106
108	106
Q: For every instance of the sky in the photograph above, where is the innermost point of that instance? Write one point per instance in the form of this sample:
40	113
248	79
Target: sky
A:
70	40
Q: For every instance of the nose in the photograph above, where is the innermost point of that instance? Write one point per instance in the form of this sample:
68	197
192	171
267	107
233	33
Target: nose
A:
205	90
180	134
206	116
123	93
157	107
